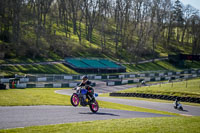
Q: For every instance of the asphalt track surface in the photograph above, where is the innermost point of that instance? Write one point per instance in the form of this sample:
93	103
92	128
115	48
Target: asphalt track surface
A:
23	116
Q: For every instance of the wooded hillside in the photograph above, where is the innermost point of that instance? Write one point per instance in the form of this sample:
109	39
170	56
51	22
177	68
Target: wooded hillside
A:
124	29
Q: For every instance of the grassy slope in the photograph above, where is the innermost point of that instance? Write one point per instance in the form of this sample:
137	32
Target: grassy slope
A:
160	65
139	125
42	69
89	49
93	49
62	69
29	60
185	88
152	66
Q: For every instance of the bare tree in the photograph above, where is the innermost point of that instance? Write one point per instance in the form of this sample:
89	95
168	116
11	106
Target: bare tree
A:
178	18
195	33
16	6
188	12
63	6
73	13
103	16
91	17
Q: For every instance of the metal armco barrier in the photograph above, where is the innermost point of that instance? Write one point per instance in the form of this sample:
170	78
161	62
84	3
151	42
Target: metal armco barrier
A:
52	78
147	79
55	85
120	79
162	97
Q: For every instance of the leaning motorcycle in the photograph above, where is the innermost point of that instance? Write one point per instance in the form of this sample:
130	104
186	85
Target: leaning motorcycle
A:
178	106
84	100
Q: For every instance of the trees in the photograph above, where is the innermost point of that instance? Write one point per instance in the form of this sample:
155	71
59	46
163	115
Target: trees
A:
73	12
195	33
127	28
91	16
155	24
188	12
5	21
104	9
178	17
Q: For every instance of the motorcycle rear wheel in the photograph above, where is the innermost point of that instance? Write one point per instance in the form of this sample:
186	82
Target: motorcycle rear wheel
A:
94	106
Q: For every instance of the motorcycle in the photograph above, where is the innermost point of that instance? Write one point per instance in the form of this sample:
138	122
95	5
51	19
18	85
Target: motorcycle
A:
178	106
80	97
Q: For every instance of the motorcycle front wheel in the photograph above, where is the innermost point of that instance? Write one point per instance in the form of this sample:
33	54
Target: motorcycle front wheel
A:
74	100
181	108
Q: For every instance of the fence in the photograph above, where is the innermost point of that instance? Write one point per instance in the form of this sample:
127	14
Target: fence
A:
57	80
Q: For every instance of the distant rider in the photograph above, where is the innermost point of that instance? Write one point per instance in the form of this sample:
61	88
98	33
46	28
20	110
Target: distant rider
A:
177	102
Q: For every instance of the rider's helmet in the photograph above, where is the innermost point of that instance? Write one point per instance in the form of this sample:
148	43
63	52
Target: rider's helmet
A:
178	99
84	77
86	81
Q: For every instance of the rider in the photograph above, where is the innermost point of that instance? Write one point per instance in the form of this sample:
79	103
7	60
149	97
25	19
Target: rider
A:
86	83
177	103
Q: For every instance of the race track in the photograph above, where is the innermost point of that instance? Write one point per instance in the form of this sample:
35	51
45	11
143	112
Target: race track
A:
102	88
23	116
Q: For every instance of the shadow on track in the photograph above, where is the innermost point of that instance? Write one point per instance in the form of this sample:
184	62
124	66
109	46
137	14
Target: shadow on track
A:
98	113
183	110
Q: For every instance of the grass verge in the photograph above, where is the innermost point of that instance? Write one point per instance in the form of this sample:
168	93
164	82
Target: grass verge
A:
111	105
136	125
32	96
191	83
189	88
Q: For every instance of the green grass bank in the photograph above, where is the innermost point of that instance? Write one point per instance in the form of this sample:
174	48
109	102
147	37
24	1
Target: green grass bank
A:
136	125
187	88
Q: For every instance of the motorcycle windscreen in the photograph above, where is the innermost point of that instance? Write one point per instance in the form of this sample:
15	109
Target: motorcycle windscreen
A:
83	91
